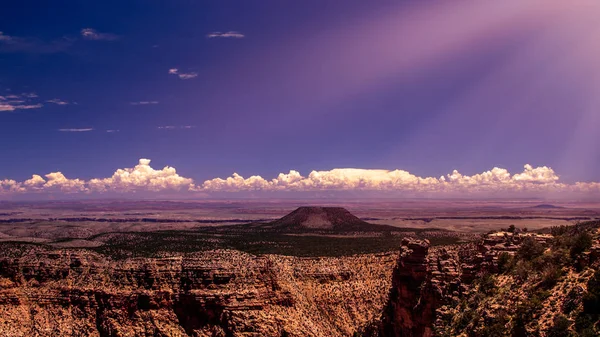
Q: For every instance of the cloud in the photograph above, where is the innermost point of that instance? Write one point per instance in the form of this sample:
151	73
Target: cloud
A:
112	131
10	107
6	107
10	186
183	76
172	127
58	181
4	37
24	101
92	34
230	34
57	101
14	44
143	103
36	182
141	177
76	130
498	182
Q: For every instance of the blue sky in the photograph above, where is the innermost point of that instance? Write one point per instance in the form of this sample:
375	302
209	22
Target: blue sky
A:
296	85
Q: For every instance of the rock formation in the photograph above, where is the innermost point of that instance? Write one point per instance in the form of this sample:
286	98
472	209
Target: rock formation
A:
331	219
216	293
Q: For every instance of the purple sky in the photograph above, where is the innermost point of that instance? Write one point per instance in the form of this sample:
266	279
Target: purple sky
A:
262	88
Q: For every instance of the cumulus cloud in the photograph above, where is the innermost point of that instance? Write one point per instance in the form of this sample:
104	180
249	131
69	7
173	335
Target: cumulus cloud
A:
183	76
76	130
532	181
10	186
141	177
230	34
92	34
497	180
35	183
58	181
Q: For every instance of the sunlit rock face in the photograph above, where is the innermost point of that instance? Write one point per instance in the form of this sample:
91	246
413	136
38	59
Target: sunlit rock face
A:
216	293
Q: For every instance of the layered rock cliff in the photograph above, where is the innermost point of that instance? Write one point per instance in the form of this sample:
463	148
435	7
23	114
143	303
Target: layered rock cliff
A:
216	293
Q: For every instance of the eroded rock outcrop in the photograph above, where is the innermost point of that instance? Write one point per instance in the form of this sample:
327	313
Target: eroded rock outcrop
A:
428	282
216	293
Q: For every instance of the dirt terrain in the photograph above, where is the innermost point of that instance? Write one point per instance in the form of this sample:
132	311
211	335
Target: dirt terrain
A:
344	276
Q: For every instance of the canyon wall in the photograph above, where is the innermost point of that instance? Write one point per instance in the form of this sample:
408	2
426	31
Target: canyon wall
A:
216	293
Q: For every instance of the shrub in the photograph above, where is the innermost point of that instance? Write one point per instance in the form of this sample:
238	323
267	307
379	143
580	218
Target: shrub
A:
504	262
487	284
530	249
560	327
591	299
572	301
581	243
550	276
523	270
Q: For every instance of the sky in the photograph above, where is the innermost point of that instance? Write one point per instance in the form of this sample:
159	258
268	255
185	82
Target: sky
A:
460	97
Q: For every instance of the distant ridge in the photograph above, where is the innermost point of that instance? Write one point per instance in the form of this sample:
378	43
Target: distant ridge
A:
547	206
331	219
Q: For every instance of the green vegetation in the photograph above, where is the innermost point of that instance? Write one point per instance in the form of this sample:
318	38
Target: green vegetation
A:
536	281
152	244
560	328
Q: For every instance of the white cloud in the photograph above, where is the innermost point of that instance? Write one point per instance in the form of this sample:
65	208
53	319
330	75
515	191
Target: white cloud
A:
24	101
141	177
76	130
92	34
57	101
498	180
143	103
10	186
30	106
10	106
112	131
58	181
6	107
230	34
36	182
183	76
538	181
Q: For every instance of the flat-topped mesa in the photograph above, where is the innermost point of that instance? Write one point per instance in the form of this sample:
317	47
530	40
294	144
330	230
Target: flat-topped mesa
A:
335	219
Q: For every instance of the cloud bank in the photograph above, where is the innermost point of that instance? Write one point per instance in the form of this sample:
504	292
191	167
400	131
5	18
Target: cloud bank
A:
497	182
